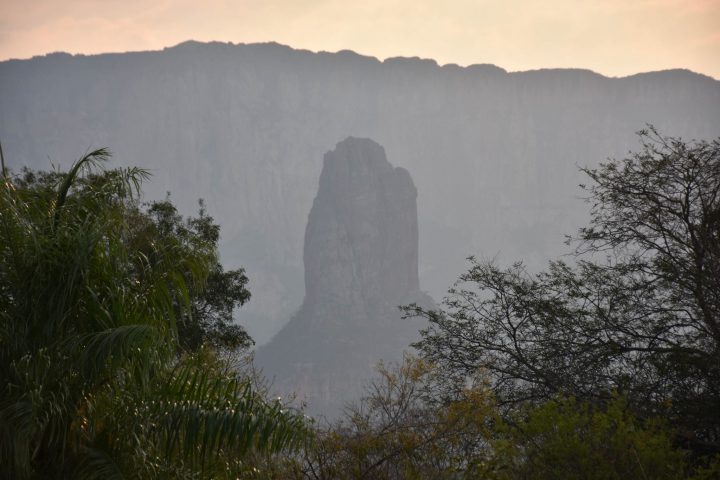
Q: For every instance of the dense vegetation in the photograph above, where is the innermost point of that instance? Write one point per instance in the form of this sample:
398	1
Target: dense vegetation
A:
104	310
637	313
117	340
607	365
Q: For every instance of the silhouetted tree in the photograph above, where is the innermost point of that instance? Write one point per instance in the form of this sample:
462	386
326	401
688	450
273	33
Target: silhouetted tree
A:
638	312
210	320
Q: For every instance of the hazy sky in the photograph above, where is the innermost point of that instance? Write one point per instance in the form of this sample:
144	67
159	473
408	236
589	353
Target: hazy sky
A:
613	37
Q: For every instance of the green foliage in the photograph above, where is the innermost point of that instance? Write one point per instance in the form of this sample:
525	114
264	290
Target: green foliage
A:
411	426
403	429
637	313
91	296
566	439
199	418
588	362
210	319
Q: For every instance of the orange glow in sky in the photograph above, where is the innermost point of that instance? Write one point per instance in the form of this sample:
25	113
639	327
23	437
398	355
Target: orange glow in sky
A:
612	37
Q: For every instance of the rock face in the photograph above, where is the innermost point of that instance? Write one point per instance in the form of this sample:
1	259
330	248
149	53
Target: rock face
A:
494	154
361	262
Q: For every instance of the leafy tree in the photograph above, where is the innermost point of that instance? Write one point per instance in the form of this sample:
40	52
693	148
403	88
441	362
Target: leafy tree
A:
566	439
410	425
91	385
210	320
638	312
406	428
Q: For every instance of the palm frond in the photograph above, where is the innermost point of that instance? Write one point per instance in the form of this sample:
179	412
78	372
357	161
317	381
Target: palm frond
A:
203	415
96	464
16	432
90	294
92	159
113	347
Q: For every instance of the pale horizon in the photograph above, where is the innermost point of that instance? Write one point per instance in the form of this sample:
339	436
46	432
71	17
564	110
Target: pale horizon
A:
612	37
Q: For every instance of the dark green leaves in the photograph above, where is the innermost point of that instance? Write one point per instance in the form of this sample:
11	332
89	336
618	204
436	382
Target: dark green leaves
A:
92	290
644	321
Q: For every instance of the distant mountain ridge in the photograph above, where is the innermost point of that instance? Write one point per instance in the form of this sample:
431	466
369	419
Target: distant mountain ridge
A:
494	154
195	44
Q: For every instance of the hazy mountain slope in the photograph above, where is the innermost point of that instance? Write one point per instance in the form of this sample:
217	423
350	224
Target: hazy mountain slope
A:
361	262
493	154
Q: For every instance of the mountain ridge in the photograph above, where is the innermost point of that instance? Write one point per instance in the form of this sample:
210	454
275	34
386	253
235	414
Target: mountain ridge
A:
494	154
190	45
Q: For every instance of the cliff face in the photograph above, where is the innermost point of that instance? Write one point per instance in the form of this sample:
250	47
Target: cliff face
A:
361	262
494	154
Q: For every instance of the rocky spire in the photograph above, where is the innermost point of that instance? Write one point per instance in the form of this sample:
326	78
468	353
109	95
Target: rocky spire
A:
361	241
361	262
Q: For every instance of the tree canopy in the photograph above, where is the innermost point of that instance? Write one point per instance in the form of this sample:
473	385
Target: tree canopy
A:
636	312
210	318
116	317
93	294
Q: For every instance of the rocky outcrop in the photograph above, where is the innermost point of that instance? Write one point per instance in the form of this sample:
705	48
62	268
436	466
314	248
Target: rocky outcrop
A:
361	262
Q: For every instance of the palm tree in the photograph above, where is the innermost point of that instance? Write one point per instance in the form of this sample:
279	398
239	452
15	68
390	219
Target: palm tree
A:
91	383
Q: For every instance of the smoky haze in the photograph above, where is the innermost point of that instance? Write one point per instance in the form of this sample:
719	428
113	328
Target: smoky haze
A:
493	155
